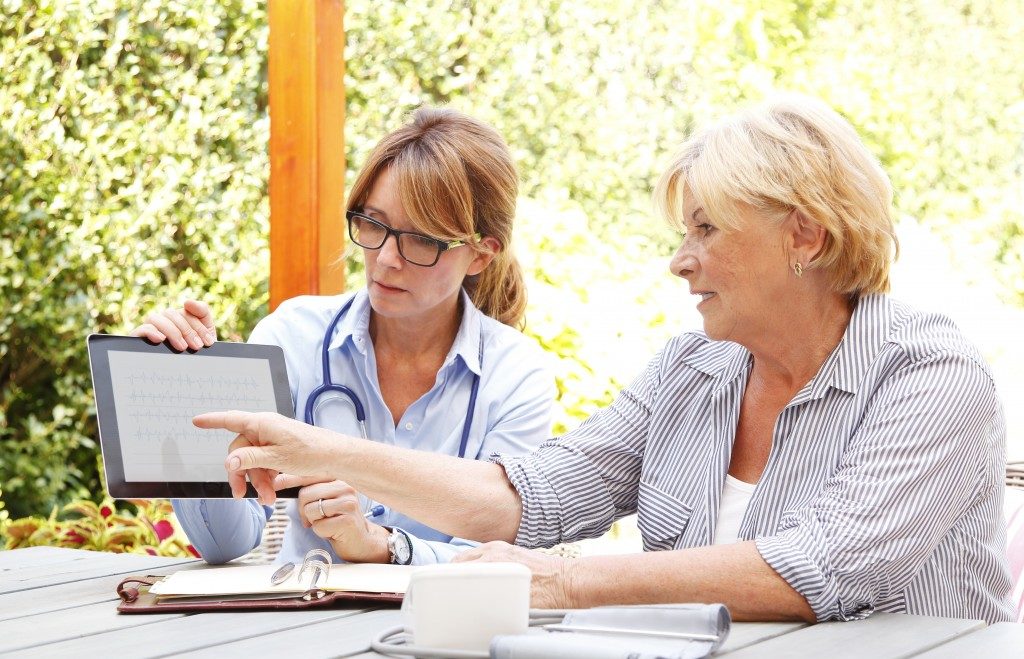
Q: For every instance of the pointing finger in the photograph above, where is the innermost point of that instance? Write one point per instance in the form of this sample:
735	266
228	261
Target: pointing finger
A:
235	421
284	481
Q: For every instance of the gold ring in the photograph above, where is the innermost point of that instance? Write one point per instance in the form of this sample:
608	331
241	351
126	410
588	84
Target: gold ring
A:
321	504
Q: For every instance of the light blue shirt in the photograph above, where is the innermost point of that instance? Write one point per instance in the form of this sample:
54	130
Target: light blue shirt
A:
512	415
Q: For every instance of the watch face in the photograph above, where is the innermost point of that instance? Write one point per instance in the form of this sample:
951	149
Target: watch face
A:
401	547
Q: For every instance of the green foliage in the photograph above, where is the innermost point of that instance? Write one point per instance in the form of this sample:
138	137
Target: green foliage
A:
942	105
5	517
601	317
133	168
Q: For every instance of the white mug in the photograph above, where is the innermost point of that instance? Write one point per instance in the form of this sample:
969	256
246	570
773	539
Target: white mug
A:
461	606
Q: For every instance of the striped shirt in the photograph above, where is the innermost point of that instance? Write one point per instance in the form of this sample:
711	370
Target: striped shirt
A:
883	490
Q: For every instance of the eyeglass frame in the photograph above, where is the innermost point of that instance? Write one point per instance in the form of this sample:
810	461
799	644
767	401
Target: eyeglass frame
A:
442	245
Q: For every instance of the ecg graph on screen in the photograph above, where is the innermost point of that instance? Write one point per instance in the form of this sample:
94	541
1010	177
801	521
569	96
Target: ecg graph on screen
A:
157	400
174	400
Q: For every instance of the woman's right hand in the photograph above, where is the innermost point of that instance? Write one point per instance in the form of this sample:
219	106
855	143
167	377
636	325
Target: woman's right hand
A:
269	443
190	327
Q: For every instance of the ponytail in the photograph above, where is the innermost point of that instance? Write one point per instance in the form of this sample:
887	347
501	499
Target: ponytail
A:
500	290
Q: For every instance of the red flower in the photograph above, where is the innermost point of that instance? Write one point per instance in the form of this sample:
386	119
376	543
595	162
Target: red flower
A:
74	536
192	550
163	529
106	511
151	551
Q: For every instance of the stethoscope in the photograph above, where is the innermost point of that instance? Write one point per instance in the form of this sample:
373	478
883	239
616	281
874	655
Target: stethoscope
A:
328	385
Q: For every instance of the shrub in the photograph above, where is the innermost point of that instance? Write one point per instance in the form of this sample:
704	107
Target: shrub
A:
5	517
142	527
133	168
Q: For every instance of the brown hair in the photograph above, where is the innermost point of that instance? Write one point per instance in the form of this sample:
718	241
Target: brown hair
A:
456	178
794	152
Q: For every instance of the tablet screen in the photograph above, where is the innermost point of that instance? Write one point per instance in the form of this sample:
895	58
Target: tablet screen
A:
147	395
155	398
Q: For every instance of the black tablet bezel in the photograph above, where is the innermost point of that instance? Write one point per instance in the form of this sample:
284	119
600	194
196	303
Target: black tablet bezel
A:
101	345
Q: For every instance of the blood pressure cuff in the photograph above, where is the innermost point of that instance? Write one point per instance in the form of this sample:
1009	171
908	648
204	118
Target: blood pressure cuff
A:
673	631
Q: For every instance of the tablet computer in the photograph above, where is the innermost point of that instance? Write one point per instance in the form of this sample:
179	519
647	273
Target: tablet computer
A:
146	396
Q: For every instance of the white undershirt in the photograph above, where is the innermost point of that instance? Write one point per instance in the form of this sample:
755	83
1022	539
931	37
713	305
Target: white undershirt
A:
735	499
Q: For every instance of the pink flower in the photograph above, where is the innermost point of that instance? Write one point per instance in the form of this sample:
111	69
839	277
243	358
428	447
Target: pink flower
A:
151	551
163	529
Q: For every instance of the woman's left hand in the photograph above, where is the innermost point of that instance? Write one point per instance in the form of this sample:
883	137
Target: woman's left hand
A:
332	510
551	582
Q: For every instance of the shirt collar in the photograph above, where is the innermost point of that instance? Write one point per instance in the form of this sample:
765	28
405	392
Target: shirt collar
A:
355	323
723	360
845	367
469	338
864	337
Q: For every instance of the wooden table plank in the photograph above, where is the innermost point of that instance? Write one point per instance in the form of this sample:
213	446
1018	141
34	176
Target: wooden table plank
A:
37	569
883	635
71	624
331	638
176	635
1002	639
57	602
743	634
33	601
29	556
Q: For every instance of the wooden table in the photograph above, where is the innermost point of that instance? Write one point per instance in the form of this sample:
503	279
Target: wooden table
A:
61	602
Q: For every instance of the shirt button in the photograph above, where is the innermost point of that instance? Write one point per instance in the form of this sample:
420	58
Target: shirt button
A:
408	426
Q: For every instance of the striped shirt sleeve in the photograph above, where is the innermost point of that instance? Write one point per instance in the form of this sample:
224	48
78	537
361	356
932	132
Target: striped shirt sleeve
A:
575	486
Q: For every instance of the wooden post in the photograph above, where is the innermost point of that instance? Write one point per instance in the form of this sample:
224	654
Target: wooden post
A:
306	63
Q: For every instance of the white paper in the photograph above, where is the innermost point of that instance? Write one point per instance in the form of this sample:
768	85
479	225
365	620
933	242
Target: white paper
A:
255	579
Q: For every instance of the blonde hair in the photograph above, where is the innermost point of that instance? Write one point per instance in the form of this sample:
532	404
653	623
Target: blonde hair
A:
456	178
793	153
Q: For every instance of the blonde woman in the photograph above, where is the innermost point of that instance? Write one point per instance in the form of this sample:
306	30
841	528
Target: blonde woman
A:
820	452
426	357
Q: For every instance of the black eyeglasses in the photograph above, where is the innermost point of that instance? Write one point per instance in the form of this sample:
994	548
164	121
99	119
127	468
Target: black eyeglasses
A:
413	247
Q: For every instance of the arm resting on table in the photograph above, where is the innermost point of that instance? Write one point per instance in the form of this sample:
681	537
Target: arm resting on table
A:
221	529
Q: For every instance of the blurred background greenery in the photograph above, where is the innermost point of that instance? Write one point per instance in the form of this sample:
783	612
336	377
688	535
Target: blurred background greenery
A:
133	165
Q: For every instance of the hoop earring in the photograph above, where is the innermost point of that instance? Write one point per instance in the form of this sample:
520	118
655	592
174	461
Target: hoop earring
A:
798	269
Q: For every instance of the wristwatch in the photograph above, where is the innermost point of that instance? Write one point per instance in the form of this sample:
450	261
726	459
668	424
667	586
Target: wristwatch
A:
399	547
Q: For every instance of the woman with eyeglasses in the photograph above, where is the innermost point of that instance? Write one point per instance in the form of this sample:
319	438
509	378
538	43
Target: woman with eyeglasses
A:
425	357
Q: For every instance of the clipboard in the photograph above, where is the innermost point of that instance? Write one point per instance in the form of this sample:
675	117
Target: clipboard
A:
146	395
314	584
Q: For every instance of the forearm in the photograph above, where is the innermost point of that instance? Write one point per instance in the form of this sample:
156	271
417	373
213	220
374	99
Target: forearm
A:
734	575
464	498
